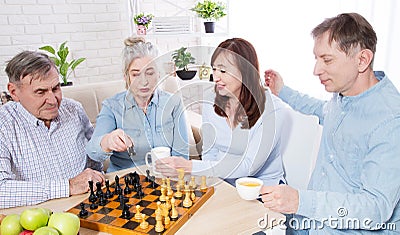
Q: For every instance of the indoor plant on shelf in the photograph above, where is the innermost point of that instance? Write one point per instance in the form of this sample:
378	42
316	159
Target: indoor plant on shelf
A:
182	58
59	57
142	22
210	11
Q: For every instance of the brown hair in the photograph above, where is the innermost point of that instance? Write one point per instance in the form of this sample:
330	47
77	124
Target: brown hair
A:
252	94
349	30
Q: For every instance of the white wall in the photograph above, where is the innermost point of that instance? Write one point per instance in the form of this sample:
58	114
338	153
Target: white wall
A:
281	32
94	29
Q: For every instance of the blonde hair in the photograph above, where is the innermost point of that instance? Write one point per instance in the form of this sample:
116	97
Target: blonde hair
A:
136	47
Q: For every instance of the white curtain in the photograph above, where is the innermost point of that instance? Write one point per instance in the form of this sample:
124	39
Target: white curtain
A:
281	33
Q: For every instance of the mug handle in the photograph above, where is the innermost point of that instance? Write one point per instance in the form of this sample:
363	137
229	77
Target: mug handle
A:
146	159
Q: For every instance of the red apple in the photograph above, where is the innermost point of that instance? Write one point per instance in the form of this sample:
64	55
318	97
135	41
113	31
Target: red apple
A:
26	232
32	219
66	223
46	230
10	225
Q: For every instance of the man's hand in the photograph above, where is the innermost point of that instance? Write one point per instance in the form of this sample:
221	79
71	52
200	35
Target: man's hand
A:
274	81
116	140
281	198
168	166
79	184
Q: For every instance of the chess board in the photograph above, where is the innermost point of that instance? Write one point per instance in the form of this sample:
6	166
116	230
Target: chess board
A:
108	218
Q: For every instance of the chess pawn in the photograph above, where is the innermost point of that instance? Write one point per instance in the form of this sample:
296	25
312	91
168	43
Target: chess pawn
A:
203	185
163	183
192	195
178	193
159	225
174	211
167	220
138	215
187	202
167	203
158	207
144	224
163	191
192	182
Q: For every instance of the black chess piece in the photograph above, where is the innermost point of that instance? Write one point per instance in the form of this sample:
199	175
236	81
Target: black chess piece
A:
153	182
108	193
118	188
99	191
127	190
92	196
136	177
148	176
121	196
126	214
83	211
139	191
93	206
103	200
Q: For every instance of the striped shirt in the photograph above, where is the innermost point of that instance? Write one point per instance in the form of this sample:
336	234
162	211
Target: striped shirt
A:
37	162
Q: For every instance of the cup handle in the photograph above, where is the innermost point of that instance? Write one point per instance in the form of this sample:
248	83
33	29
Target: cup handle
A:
146	159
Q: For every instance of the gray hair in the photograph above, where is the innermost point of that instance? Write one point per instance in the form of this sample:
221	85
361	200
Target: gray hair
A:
25	63
137	47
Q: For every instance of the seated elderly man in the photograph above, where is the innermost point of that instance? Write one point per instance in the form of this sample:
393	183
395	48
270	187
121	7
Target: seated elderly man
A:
42	137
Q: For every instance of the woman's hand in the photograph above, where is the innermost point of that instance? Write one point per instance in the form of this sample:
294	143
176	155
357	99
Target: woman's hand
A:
117	141
168	166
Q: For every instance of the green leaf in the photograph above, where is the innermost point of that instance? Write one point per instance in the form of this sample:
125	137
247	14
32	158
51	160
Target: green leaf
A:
49	49
76	63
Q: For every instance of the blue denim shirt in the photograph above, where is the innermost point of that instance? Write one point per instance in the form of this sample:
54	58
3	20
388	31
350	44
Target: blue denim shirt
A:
163	125
358	166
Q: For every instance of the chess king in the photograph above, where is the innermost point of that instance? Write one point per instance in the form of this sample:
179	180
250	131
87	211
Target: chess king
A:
35	131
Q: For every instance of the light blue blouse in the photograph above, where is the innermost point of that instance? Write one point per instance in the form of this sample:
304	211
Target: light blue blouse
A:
358	166
163	125
230	154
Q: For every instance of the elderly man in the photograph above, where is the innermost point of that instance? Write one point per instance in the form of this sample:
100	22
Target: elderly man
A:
42	137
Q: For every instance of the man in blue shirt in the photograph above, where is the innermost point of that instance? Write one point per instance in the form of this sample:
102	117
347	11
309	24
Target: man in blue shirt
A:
355	184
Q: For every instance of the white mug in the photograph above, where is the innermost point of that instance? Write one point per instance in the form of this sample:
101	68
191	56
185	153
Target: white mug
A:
156	153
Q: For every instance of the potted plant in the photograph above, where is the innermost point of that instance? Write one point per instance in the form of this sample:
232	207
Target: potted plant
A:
142	22
182	58
210	11
60	59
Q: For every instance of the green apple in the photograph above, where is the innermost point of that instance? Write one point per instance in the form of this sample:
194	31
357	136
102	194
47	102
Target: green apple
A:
46	230
34	218
66	223
10	225
46	210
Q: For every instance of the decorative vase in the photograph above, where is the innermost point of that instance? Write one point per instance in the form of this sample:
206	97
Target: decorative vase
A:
141	30
209	26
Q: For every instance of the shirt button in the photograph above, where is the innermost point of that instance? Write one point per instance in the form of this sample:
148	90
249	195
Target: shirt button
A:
331	157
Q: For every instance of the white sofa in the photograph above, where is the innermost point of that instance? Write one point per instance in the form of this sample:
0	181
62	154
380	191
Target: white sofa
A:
92	95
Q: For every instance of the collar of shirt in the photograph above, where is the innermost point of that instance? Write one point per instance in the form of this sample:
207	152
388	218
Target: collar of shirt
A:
130	102
30	117
345	100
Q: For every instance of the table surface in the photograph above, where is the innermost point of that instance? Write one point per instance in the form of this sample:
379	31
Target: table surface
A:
224	213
